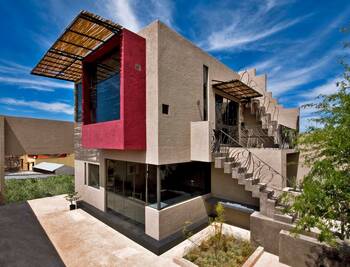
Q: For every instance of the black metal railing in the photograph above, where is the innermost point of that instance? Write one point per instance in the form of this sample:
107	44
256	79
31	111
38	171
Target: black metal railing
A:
234	151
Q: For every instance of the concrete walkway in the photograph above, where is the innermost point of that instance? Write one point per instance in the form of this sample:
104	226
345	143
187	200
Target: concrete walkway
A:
82	240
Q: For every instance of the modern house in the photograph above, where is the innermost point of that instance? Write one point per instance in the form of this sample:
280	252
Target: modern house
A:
164	130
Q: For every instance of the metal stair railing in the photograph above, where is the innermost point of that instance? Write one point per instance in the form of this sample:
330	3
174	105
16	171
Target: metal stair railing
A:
235	151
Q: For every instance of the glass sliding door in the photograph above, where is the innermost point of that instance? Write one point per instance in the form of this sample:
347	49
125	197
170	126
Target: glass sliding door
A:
126	189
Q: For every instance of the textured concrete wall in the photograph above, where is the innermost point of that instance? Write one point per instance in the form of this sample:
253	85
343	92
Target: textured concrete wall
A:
163	223
91	195
305	251
264	231
224	186
201	132
180	74
37	136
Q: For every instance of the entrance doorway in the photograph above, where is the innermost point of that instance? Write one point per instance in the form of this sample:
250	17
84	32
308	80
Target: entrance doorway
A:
226	114
126	188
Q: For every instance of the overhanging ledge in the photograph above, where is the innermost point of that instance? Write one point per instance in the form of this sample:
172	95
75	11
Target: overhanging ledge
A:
84	35
237	89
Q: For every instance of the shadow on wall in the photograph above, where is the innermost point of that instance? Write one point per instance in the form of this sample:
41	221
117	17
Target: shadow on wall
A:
329	257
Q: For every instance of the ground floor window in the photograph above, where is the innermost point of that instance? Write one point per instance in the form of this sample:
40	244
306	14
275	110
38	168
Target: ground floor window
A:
183	181
93	175
130	185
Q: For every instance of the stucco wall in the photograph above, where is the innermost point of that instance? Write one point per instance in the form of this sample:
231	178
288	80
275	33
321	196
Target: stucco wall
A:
264	231
201	133
91	195
160	224
179	70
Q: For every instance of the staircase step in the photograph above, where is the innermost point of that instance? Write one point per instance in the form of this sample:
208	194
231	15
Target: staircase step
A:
262	186
283	218
228	165
219	162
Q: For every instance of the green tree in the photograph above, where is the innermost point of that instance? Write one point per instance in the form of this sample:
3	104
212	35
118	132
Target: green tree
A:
325	201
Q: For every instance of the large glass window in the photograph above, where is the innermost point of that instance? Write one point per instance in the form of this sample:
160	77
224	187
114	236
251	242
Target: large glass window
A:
105	89
183	181
93	175
78	102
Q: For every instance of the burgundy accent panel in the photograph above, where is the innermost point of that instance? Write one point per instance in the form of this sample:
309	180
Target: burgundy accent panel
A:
104	135
133	82
128	133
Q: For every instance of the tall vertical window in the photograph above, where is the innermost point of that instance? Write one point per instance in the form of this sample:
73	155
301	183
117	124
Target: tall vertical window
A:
78	102
205	92
94	175
105	88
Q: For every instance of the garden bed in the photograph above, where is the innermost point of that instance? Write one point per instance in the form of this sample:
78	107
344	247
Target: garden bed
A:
226	250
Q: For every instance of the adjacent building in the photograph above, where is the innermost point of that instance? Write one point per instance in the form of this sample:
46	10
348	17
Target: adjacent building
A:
163	130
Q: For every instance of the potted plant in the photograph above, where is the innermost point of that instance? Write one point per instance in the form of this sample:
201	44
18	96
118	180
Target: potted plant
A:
72	197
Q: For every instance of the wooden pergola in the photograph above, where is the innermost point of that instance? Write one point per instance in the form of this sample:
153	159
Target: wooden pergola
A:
84	35
237	89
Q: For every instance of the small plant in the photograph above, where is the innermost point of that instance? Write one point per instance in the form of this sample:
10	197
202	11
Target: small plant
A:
72	197
220	249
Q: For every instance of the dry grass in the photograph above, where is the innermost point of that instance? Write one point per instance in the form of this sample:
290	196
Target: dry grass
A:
231	252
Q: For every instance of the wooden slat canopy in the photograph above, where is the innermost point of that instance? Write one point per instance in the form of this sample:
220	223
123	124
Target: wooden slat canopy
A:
84	35
237	89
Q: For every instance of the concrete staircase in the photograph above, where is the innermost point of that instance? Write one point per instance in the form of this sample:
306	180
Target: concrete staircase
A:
267	196
268	112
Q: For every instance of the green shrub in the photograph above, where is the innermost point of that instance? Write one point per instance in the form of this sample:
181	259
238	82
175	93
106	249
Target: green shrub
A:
26	189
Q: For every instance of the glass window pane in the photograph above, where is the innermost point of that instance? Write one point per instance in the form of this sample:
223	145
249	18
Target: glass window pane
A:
94	175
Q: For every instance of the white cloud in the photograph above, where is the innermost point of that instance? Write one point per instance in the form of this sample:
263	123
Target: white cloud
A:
54	107
19	75
235	36
34	83
135	14
121	11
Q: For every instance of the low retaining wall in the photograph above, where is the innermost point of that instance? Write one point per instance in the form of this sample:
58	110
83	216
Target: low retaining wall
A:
264	231
305	251
160	224
295	251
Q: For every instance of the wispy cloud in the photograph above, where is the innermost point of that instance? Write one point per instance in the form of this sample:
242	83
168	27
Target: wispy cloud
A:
237	36
242	24
123	13
12	73
295	65
54	107
135	14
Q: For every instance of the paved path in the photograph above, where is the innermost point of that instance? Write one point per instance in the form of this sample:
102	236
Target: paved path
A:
23	242
82	240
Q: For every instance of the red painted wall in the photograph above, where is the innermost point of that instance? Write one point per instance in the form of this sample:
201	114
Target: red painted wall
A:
129	132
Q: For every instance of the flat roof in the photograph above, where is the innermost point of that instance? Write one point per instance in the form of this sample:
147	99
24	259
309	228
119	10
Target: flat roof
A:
86	33
237	89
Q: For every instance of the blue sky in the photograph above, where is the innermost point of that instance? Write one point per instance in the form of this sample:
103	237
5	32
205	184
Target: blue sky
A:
297	43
